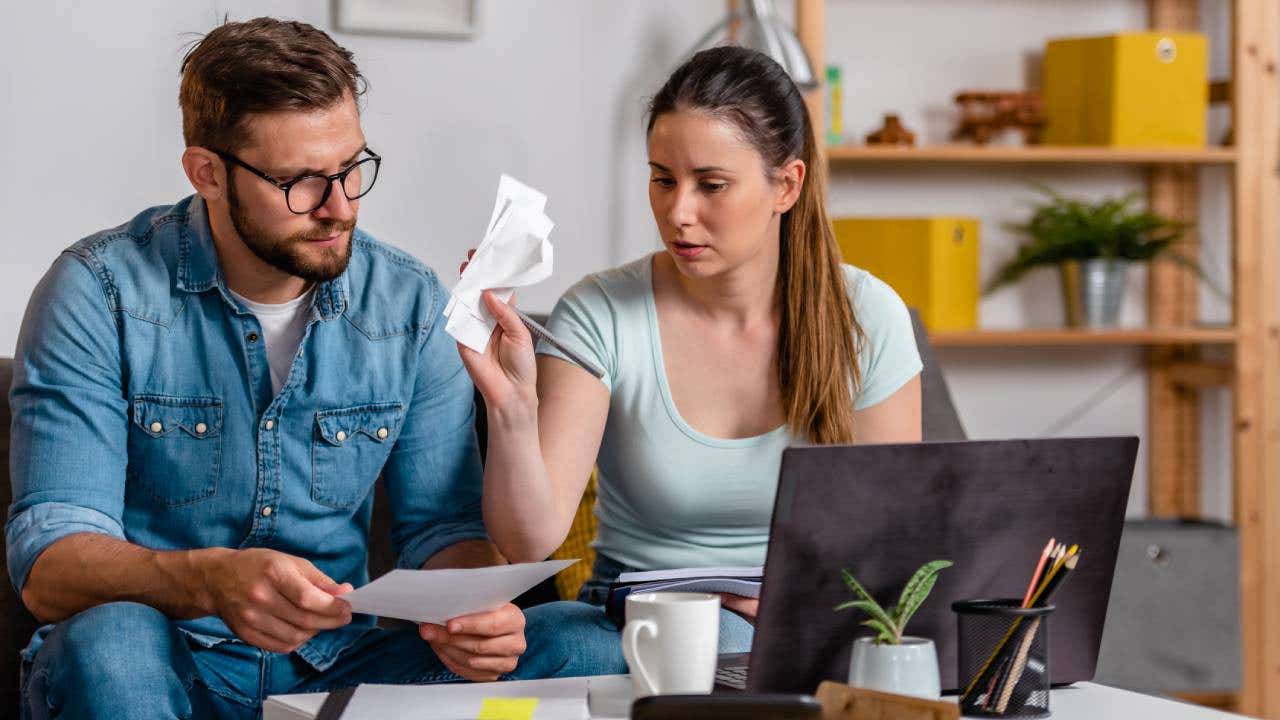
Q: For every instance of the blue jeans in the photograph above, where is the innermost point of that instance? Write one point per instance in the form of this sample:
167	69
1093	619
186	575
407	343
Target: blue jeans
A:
129	660
736	633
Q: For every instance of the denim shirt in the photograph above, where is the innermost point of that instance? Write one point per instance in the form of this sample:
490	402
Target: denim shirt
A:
143	409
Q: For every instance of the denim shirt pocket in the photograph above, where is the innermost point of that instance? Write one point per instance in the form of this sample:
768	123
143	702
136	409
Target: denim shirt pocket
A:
349	449
175	447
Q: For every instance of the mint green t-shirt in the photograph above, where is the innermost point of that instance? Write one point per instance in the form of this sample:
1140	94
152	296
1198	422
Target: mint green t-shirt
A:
670	496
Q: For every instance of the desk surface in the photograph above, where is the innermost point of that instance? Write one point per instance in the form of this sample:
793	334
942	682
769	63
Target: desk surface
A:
610	699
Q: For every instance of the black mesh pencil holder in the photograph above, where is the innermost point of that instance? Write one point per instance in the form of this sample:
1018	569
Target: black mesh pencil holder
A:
1003	658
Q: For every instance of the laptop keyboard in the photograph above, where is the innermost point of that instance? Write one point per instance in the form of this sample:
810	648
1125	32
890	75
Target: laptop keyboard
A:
734	676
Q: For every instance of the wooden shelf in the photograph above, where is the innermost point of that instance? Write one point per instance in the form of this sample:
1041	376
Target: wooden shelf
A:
1173	346
850	154
1048	337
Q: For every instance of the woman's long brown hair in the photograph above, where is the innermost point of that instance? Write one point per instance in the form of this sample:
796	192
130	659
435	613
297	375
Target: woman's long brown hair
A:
819	335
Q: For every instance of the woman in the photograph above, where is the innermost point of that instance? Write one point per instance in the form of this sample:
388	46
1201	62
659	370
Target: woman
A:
744	335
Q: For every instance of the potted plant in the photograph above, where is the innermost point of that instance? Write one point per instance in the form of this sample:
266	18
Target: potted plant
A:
1093	245
889	660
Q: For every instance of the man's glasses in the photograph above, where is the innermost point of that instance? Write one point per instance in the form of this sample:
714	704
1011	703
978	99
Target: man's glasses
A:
307	193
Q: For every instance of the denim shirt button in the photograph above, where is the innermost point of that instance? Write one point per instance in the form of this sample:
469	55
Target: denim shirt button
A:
252	337
266	511
383	433
270	424
156	427
341	436
201	428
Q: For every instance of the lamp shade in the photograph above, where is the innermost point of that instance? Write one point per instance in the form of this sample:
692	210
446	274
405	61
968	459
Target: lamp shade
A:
758	27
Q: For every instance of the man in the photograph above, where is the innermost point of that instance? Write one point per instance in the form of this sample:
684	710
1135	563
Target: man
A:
203	399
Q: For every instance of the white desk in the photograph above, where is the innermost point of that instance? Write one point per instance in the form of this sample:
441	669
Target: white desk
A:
610	699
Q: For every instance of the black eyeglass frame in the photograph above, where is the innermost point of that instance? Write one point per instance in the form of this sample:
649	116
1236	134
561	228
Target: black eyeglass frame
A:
340	176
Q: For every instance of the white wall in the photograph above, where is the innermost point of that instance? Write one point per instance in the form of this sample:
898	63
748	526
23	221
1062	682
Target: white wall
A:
553	92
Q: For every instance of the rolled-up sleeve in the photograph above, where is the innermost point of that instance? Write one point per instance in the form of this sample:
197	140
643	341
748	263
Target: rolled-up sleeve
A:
433	475
69	432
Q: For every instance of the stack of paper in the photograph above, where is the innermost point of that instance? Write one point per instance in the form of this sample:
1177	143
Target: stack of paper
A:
564	699
744	581
514	253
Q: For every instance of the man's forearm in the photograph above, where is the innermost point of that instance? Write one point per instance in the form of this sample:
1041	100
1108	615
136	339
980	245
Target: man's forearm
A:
84	570
466	554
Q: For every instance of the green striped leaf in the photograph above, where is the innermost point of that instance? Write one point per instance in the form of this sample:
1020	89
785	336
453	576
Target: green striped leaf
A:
883	635
917	591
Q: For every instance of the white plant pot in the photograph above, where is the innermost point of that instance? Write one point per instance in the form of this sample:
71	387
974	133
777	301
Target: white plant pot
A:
909	668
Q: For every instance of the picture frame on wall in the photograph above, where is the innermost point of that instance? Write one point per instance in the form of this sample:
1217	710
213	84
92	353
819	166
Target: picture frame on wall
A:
445	19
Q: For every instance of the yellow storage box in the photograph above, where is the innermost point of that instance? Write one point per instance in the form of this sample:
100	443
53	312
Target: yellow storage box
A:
1131	89
931	261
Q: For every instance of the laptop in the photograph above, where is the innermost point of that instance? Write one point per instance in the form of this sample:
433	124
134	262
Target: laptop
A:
881	511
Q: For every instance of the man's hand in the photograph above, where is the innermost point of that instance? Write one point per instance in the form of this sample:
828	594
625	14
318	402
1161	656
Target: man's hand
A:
479	647
272	600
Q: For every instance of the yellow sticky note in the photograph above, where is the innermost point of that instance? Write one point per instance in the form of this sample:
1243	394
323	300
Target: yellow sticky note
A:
507	709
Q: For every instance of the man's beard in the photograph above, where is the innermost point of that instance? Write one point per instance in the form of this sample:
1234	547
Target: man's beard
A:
287	254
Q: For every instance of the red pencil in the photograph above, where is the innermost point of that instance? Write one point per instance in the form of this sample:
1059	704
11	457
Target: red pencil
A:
1035	577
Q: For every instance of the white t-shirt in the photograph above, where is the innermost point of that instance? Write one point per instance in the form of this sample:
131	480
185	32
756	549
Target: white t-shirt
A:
283	326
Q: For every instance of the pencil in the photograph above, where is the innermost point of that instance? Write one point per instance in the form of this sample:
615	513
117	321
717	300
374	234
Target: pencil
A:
989	701
1035	576
1052	586
1060	558
1019	664
544	334
1063	552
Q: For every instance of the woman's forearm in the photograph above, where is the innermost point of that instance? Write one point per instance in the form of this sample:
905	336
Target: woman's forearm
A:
523	509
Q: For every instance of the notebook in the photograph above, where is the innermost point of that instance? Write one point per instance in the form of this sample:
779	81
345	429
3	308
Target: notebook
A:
744	581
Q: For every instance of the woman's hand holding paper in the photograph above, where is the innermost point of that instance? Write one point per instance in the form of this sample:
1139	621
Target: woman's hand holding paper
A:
506	373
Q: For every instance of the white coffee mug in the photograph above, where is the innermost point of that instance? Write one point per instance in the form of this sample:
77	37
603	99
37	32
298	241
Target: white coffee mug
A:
671	642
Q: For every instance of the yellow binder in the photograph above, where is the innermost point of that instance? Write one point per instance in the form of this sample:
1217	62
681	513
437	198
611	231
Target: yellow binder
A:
932	262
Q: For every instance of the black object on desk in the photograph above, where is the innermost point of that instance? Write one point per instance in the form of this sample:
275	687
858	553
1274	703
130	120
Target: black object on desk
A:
335	704
1006	648
764	706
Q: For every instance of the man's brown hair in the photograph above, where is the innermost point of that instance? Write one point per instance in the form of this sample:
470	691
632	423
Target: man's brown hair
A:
257	66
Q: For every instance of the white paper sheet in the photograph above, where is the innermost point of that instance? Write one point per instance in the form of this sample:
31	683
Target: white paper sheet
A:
436	596
559	699
514	253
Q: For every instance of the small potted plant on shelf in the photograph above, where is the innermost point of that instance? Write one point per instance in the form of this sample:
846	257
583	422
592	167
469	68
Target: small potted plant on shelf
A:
889	660
1093	245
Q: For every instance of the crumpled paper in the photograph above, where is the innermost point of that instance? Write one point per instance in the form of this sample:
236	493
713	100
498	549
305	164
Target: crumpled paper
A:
514	253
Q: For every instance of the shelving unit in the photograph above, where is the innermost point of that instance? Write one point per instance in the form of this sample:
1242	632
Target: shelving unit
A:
838	155
1173	339
1058	337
